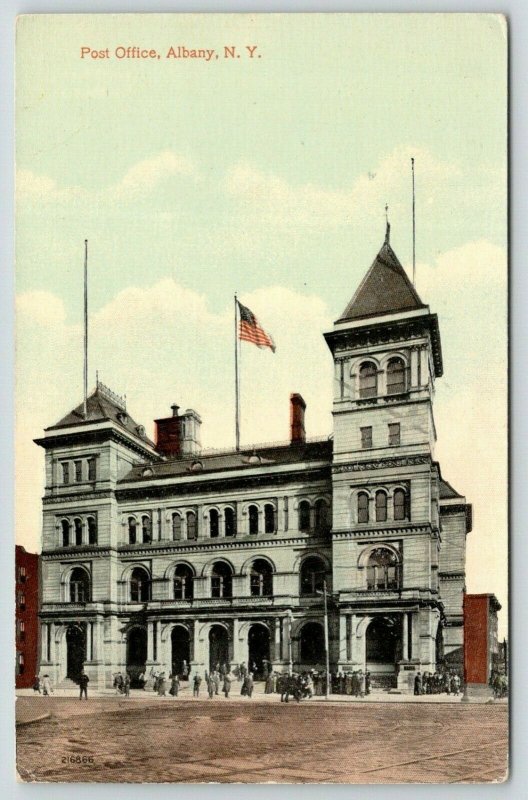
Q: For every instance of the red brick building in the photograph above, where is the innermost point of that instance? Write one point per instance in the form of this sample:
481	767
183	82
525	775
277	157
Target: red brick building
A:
26	615
481	645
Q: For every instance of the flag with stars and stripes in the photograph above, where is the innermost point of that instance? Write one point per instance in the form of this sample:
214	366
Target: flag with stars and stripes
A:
250	329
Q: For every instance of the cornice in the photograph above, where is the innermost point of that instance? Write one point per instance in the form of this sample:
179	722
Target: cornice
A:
166	548
97	494
77	553
381	532
381	463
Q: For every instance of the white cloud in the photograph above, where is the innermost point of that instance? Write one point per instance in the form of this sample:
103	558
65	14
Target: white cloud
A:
144	176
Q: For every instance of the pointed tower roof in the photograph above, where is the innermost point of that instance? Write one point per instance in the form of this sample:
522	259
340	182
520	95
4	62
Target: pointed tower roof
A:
385	289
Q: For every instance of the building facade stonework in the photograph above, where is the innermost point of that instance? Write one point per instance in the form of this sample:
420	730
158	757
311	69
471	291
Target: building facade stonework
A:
160	555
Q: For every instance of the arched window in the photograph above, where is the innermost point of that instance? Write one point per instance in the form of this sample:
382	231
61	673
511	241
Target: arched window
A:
368	380
146	529
269	518
139	585
304	515
383	570
77	524
221	580
230	522
79	586
312	644
321	515
253	519
192	527
381	507
261	579
92	530
65	526
183	582
132	530
395	376
363	507
401	510
214	527
312	575
176	526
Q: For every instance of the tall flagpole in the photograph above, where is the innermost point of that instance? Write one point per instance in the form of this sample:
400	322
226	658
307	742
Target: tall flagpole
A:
85	328
237	381
413	224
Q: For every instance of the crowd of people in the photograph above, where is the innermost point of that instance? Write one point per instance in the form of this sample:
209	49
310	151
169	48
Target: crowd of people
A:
437	683
499	684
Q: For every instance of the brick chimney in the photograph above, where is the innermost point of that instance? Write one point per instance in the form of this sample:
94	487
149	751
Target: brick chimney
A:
297	409
167	434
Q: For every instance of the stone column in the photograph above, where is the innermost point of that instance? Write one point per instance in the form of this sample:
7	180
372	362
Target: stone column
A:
424	366
150	642
405	637
343	643
277	643
414	366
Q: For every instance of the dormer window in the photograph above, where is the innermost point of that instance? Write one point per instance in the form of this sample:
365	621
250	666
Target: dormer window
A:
368	380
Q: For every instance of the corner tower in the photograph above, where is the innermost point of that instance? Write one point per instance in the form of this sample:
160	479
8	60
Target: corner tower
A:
386	539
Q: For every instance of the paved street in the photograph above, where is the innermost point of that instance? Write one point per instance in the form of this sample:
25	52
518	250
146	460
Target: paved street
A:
258	741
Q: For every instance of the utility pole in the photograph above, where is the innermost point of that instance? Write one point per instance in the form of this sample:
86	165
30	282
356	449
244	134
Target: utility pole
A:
327	646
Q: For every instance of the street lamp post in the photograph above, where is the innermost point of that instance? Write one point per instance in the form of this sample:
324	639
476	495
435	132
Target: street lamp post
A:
327	644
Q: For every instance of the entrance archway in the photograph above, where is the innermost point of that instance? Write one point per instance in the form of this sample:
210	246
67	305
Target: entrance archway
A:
259	651
75	651
136	654
218	647
181	651
312	650
383	642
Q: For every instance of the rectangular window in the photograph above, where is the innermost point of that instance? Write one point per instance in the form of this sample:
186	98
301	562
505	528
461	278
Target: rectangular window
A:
22	574
394	434
21	630
21	663
22	601
65	472
78	471
91	469
366	437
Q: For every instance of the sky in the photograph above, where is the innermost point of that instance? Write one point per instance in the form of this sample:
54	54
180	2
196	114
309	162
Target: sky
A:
267	176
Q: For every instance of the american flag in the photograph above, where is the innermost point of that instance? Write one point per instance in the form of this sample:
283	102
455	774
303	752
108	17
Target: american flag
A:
251	331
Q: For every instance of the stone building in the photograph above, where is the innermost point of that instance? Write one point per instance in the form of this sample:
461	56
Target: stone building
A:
160	553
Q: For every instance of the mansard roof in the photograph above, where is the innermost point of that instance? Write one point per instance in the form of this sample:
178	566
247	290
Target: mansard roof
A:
102	405
385	289
221	461
447	492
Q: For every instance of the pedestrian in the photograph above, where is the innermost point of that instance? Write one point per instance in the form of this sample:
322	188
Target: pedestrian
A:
127	683
83	684
196	685
269	684
141	681
418	683
216	680
227	684
367	682
211	686
185	671
36	684
46	686
175	685
162	685
249	684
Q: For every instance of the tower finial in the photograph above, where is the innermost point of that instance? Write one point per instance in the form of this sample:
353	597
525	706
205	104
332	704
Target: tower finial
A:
387	223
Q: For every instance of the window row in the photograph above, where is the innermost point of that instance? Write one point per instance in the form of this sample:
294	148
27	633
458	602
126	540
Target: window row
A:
78	470
396	378
184	525
78	531
376	507
393	435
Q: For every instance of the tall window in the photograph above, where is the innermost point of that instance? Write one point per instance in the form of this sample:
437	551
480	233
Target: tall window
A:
381	507
368	380
78	471
79	586
183	582
366	437
21	630
139	585
312	575
269	518
176	527
394	434
261	579
383	570
401	510
253	520
221	580
65	472
304	515
65	525
22	601
214	527
92	530
132	530
321	515
146	529
77	524
91	469
230	522
192	528
363	507
395	376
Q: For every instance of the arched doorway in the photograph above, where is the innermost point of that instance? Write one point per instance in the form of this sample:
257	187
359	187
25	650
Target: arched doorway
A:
218	647
259	651
75	651
312	644
136	654
383	644
181	651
